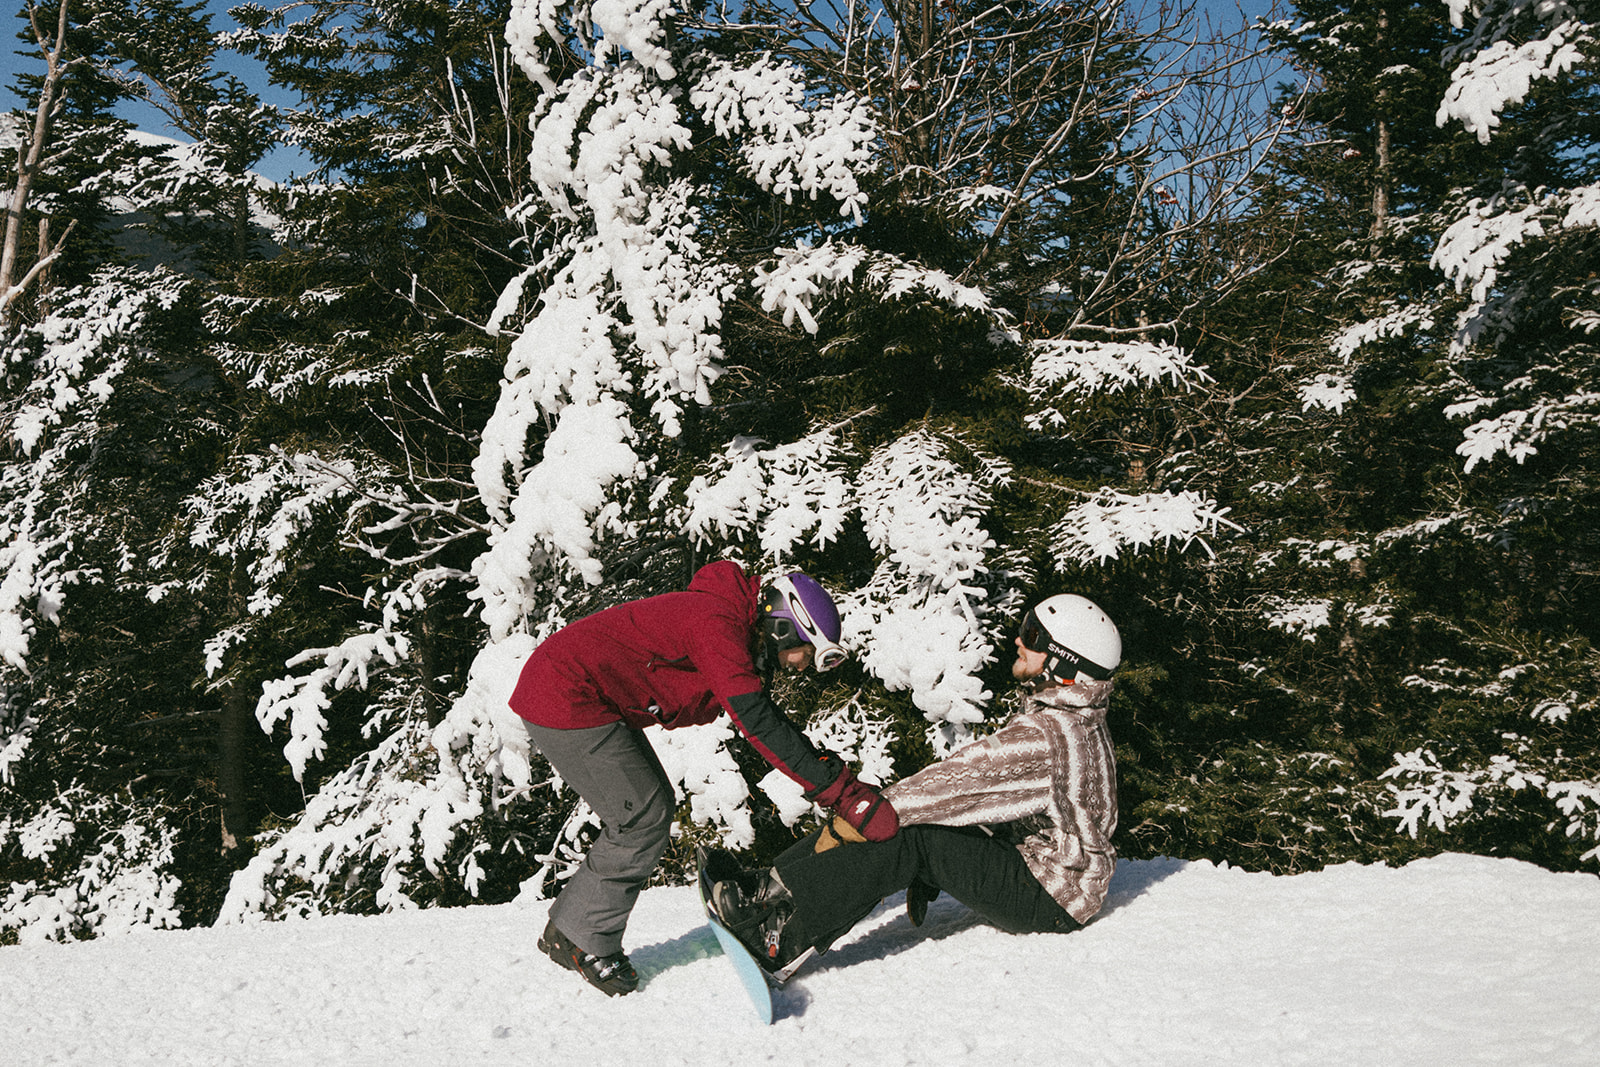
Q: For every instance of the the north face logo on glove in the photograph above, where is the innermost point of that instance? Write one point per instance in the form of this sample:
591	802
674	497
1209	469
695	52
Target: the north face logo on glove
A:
857	803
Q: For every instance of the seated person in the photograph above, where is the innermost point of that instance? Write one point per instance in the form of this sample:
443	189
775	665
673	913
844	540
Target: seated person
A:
1016	826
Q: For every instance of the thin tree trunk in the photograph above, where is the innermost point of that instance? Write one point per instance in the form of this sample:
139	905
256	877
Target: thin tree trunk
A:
238	719
29	161
1380	187
1381	178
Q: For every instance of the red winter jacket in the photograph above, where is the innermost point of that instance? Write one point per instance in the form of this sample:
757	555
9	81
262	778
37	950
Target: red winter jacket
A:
678	659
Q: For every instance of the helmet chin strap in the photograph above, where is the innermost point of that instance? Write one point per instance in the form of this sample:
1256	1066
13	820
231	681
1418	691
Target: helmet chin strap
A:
766	659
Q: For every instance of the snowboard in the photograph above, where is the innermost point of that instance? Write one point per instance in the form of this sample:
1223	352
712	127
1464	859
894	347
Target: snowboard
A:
713	868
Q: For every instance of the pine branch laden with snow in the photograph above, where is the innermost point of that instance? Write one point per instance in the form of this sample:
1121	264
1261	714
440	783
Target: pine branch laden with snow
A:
22	585
17	729
1330	392
919	624
608	30
259	512
553	514
1518	434
784	495
259	515
1298	618
362	828
1514	44
301	700
1428	794
1471	251
803	275
1306	618
397	818
786	148
111	869
1061	371
79	362
1112	523
1518	755
1399	322
1306	565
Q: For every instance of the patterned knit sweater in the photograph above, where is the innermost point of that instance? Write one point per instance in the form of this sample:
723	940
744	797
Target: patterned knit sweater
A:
1051	771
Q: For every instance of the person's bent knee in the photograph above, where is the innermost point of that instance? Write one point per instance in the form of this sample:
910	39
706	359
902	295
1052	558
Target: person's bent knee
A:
649	829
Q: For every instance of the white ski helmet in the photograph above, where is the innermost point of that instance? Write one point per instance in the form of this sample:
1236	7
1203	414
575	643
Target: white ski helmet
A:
1080	642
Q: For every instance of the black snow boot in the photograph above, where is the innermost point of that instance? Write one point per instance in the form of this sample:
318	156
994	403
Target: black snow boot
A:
613	975
755	907
919	895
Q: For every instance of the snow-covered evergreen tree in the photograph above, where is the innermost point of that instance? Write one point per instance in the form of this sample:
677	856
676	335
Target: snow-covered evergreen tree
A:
108	415
717	354
1400	642
77	836
1518	379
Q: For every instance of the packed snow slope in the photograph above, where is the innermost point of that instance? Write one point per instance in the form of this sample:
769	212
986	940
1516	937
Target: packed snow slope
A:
1451	960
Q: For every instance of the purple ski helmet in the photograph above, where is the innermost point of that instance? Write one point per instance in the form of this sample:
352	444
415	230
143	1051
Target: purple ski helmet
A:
796	611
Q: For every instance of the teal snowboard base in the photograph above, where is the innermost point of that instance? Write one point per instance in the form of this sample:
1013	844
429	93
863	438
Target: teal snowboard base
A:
751	974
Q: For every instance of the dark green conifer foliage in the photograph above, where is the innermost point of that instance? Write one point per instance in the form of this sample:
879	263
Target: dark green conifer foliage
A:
1395	575
261	483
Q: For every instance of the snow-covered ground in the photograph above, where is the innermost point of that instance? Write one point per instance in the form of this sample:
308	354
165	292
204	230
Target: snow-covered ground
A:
1451	960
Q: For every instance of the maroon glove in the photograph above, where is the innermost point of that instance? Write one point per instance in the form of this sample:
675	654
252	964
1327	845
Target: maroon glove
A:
857	803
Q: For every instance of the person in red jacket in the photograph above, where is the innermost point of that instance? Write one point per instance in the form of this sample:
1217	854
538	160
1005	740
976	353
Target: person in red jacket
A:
678	659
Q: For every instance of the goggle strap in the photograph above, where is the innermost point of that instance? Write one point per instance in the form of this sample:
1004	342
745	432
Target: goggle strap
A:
1037	639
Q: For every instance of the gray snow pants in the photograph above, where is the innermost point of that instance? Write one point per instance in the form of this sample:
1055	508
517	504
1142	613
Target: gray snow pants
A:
614	769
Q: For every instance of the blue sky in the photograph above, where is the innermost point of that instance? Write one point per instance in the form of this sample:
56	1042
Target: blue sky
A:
280	164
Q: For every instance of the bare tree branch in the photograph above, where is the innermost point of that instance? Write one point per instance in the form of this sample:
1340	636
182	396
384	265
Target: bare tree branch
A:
1134	122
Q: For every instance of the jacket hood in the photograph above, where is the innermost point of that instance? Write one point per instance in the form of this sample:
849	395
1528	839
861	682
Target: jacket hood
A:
728	582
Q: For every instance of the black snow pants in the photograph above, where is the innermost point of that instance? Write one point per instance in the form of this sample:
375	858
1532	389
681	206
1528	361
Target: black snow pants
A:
835	889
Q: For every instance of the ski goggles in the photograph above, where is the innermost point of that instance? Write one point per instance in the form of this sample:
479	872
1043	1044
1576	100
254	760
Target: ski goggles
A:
828	655
1032	633
1063	662
825	655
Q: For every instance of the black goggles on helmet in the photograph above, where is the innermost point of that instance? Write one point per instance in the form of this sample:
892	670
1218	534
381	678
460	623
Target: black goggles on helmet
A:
1062	661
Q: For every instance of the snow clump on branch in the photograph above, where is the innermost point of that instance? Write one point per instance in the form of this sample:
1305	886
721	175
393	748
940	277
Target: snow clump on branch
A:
916	623
1065	369
1501	73
803	274
785	147
1100	530
782	493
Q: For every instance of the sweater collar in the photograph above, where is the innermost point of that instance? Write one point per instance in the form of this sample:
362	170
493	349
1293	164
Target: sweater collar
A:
1082	696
